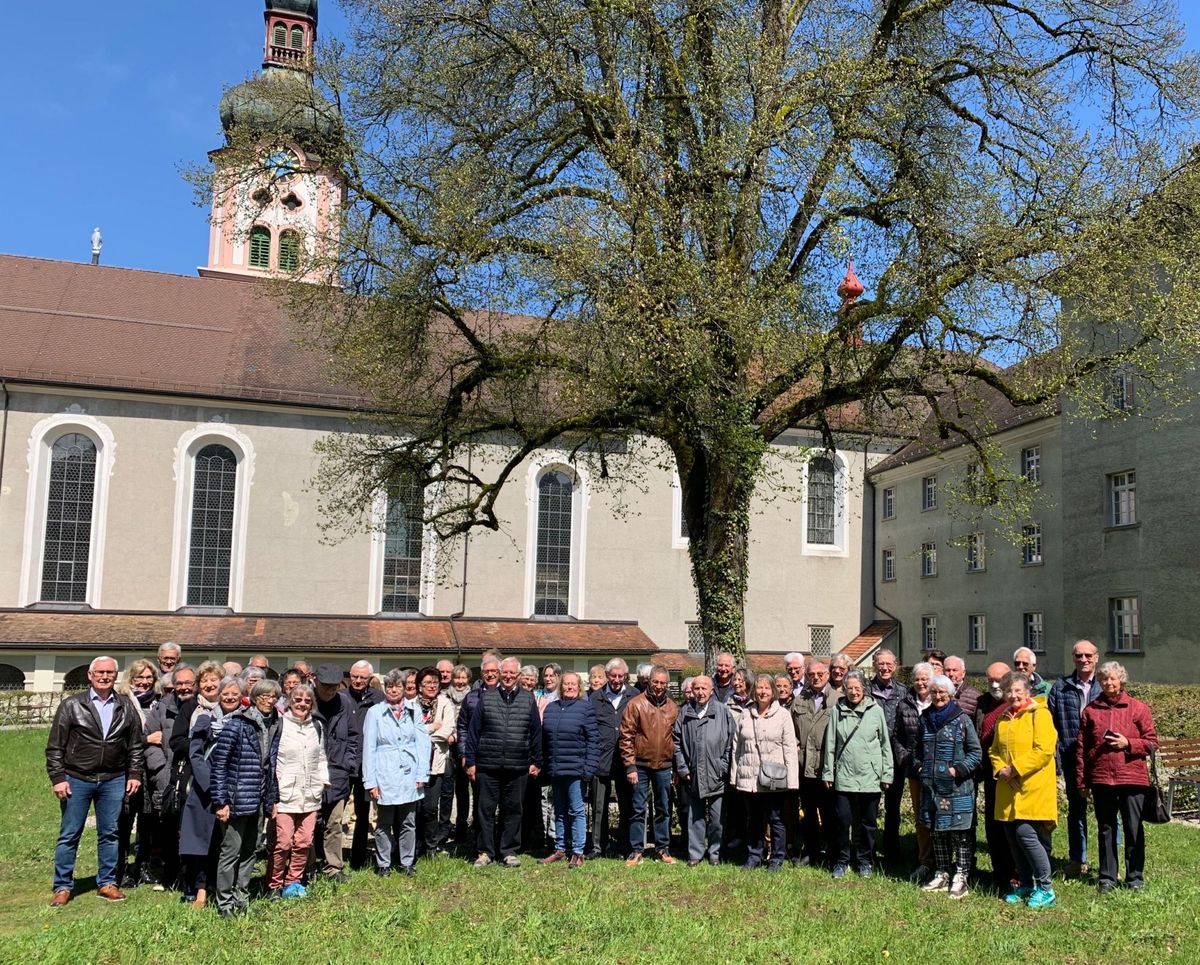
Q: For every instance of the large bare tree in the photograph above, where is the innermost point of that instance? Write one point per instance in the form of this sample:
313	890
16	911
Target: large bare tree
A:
573	220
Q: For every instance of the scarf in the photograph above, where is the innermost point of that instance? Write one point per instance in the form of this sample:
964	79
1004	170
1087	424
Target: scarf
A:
145	700
1013	711
938	717
203	706
427	710
458	696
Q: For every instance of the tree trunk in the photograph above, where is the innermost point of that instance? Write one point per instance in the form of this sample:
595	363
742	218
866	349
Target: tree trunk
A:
716	493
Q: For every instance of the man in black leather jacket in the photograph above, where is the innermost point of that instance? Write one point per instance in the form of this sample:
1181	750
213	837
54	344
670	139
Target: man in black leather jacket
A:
95	755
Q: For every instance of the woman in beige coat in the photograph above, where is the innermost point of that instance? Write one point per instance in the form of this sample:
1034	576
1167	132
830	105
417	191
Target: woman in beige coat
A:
765	767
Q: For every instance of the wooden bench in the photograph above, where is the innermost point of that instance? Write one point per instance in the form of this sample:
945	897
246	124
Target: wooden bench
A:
1181	758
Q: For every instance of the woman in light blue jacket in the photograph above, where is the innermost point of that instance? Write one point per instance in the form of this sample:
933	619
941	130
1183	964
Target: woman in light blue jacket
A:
396	754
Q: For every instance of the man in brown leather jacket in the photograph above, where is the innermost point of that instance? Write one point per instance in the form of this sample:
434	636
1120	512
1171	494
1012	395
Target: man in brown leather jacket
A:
95	756
648	753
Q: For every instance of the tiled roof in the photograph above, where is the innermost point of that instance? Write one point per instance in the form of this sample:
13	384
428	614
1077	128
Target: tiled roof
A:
865	644
42	629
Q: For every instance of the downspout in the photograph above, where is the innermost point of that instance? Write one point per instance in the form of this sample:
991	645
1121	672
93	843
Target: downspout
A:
3	432
466	554
874	583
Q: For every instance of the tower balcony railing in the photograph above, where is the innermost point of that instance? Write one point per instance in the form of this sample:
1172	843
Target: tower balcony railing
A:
291	56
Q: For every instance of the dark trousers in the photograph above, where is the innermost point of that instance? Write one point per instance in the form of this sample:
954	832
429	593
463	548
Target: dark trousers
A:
362	824
856	810
817	827
735	823
429	835
892	799
791	821
505	790
1127	802
533	828
166	843
1004	869
455	789
656	783
602	794
766	808
1077	808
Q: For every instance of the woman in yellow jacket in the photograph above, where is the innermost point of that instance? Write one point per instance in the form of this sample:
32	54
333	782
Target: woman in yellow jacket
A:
1022	757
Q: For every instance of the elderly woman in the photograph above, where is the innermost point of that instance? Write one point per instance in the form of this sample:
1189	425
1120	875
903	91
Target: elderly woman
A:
765	767
297	776
858	766
456	788
1116	736
703	752
946	757
239	763
439	715
571	742
199	842
905	736
396	756
1022	757
527	678
139	684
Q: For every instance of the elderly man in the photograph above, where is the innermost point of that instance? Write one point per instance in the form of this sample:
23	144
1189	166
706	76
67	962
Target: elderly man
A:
95	755
168	657
1067	700
810	716
888	693
445	669
647	747
306	671
232	668
703	739
966	695
610	702
262	663
503	750
338	714
489	676
723	670
1025	661
793	663
991	706
365	697
839	666
160	722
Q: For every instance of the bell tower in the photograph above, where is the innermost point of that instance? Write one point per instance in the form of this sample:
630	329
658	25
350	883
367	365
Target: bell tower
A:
277	200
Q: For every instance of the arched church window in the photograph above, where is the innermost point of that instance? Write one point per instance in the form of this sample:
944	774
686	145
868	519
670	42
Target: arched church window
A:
289	251
68	543
552	588
210	547
260	247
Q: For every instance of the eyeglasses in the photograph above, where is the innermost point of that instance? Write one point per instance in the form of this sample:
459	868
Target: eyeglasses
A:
105	673
1084	656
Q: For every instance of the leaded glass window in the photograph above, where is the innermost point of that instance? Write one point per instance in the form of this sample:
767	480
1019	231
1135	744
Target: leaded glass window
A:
822	502
403	541
210	549
552	581
68	544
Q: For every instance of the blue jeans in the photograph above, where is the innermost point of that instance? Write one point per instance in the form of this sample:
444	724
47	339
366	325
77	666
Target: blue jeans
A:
107	796
568	803
660	781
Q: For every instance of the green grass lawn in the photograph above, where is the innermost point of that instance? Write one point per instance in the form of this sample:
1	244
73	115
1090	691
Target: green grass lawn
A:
606	912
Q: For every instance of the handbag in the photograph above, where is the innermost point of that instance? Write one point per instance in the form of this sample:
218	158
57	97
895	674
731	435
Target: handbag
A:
771	776
1156	811
179	782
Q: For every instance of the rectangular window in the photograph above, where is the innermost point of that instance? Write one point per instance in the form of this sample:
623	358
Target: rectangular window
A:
978	487
820	641
889	565
929	559
1122	492
929	493
976	561
1031	464
977	633
1034	631
1121	389
889	503
695	637
929	633
1126	624
1031	544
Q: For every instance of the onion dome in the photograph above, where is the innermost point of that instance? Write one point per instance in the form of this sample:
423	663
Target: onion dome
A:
851	288
281	104
299	8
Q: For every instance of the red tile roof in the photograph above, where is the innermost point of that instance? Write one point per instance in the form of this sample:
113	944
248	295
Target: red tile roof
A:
866	643
53	630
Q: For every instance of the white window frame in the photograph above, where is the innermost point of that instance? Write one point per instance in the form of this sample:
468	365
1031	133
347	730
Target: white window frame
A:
1033	630
1031	464
1032	545
678	540
1125	623
840	547
1122	497
218	432
976	553
580	499
41	442
379	545
929	631
928	493
888	509
887	566
977	633
928	559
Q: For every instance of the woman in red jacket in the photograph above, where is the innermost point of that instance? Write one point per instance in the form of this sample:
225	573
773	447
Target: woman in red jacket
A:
1116	735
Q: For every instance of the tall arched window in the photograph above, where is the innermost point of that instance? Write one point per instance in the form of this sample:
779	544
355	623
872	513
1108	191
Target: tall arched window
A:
298	37
71	495
402	550
260	247
11	678
552	575
210	544
76	680
289	250
279	35
822	501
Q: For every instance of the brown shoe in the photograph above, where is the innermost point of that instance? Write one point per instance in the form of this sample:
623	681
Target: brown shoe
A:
551	858
666	858
576	861
60	898
111	893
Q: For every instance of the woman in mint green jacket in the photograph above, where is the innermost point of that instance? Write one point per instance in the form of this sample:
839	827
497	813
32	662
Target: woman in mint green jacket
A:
857	767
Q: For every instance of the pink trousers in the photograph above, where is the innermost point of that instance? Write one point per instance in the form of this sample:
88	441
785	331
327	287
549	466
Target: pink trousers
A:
293	837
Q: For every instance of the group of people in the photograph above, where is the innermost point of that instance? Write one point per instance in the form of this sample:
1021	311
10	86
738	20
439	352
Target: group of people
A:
219	765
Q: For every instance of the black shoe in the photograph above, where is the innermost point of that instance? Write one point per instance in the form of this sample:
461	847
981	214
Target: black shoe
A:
382	872
275	894
1106	886
410	871
338	877
128	880
713	861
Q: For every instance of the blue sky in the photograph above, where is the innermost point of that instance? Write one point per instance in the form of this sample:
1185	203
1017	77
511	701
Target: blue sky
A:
105	102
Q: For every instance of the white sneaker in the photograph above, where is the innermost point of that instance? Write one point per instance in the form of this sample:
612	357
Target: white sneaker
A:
958	886
939	882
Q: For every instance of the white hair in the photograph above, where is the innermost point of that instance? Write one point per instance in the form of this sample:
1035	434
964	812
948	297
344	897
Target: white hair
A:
1021	650
363	663
515	662
169	646
959	660
793	656
923	667
840	659
92	665
614	663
